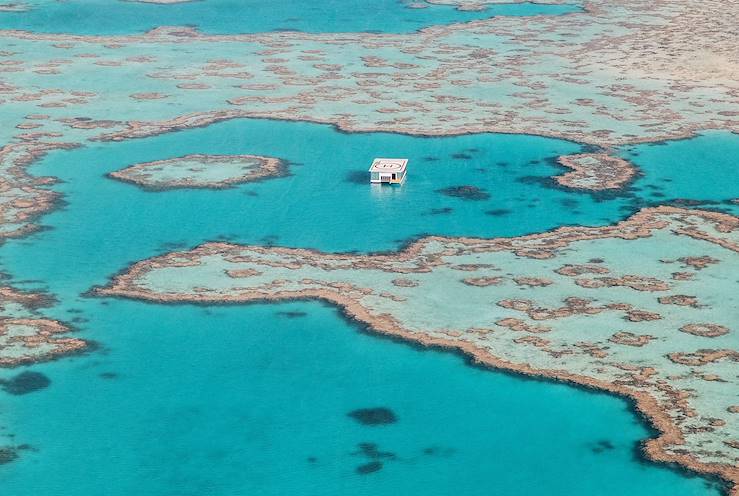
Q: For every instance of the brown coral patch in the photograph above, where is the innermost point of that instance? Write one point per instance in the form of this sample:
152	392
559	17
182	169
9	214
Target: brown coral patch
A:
573	270
705	330
521	326
680	300
594	171
638	283
635	315
534	282
630	339
482	282
698	263
703	357
243	273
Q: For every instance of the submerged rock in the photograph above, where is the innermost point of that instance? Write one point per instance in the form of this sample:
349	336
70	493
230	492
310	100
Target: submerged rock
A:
470	193
25	382
368	468
373	416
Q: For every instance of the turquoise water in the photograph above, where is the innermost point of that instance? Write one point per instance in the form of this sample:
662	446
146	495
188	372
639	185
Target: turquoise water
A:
704	170
254	399
252	16
244	400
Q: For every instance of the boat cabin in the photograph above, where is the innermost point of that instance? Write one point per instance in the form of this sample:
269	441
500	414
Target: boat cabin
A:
388	170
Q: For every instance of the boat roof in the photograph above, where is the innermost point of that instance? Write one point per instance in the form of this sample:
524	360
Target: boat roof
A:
389	165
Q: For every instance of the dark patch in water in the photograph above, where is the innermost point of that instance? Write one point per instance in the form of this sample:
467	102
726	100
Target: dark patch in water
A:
108	375
251	193
373	416
226	237
292	314
590	149
596	260
684	202
430	159
368	468
371	451
602	445
7	455
537	180
172	246
569	202
311	459
24	383
270	240
356	177
461	156
498	212
466	192
438	451
440	211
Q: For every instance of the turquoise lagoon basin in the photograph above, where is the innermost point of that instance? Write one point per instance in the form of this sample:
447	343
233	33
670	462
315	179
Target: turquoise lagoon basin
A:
186	400
254	399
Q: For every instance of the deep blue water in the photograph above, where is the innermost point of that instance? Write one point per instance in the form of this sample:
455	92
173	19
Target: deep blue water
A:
253	399
108	17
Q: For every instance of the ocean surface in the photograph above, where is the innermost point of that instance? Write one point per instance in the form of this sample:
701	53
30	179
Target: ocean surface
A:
109	17
227	400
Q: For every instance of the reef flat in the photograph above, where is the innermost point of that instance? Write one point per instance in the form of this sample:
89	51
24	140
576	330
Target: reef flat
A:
25	341
201	171
594	171
572	304
27	337
547	75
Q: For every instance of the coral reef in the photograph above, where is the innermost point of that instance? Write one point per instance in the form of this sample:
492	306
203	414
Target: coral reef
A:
645	357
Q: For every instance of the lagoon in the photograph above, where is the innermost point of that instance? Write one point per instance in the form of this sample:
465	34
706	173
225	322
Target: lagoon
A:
254	399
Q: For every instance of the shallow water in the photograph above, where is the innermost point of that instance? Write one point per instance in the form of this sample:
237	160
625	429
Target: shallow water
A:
253	399
107	17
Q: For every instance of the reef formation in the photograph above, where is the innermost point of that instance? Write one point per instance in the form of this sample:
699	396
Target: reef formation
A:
594	171
619	72
201	171
572	304
27	337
